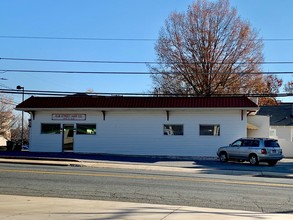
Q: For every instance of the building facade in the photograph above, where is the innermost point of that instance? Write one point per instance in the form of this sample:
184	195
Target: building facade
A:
177	126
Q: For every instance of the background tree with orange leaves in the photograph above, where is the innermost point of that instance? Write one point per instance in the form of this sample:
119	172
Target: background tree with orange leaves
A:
210	51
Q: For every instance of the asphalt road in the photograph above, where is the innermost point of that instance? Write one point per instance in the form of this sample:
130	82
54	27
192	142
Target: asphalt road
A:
273	195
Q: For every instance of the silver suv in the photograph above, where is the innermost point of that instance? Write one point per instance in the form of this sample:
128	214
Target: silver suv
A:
254	150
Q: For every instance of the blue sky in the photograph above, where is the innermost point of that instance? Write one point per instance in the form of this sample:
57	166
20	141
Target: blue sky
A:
114	19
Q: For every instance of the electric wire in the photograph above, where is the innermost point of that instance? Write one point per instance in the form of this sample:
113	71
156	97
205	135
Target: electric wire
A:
134	62
79	38
112	39
70	93
137	72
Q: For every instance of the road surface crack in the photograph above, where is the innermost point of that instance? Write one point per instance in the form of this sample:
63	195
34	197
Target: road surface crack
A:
258	206
175	210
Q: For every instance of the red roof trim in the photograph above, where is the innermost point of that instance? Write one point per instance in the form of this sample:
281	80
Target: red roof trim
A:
134	102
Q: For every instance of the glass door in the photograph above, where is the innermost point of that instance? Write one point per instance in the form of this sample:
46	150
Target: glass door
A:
68	137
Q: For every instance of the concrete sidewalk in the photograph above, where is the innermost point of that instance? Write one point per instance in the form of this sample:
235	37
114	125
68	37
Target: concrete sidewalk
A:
30	208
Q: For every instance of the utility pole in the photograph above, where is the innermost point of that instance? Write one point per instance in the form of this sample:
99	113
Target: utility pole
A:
21	88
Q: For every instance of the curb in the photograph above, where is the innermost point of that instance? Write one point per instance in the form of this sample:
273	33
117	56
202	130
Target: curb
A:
93	164
37	158
38	162
136	162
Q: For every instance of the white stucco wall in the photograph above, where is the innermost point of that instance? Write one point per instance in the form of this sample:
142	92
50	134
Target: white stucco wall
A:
263	126
140	132
283	132
43	142
284	136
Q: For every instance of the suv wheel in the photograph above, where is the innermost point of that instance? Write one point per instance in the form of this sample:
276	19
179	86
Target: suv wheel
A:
253	159
223	157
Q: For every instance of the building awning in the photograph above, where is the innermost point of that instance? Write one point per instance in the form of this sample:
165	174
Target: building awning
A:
251	126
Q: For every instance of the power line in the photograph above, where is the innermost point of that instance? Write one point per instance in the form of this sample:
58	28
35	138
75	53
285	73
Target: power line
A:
133	62
67	93
111	39
78	61
277	39
78	38
134	72
35	92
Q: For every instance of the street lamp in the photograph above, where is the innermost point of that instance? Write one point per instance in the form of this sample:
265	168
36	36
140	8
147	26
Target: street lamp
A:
21	88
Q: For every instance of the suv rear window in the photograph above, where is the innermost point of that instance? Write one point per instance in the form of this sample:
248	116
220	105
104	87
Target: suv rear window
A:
271	143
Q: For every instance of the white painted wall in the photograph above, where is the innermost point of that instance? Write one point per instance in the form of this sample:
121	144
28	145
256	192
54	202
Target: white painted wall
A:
283	132
262	123
287	147
284	136
44	142
140	132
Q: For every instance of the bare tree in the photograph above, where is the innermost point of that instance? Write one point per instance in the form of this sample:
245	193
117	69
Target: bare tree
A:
7	118
288	87
206	51
16	132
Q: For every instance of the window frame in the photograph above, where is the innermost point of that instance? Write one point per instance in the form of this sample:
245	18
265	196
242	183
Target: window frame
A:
173	132
213	133
234	143
85	124
57	131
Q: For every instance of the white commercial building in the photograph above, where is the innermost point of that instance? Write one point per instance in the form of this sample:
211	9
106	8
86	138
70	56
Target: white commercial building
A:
177	126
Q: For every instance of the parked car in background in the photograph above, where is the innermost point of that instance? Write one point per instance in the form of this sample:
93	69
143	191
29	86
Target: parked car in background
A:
254	150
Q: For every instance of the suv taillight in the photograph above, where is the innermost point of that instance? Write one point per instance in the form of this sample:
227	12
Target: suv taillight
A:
263	151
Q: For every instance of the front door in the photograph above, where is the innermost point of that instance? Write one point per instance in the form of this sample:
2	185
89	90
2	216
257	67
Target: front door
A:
68	137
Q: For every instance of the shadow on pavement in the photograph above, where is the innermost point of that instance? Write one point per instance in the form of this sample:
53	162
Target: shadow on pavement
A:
235	168
89	156
207	165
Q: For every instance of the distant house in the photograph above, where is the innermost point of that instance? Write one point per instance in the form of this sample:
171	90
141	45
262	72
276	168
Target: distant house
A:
2	141
281	124
178	126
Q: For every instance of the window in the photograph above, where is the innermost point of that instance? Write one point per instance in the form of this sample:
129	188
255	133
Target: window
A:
86	129
254	143
173	129
237	143
273	132
271	143
209	130
50	128
250	143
